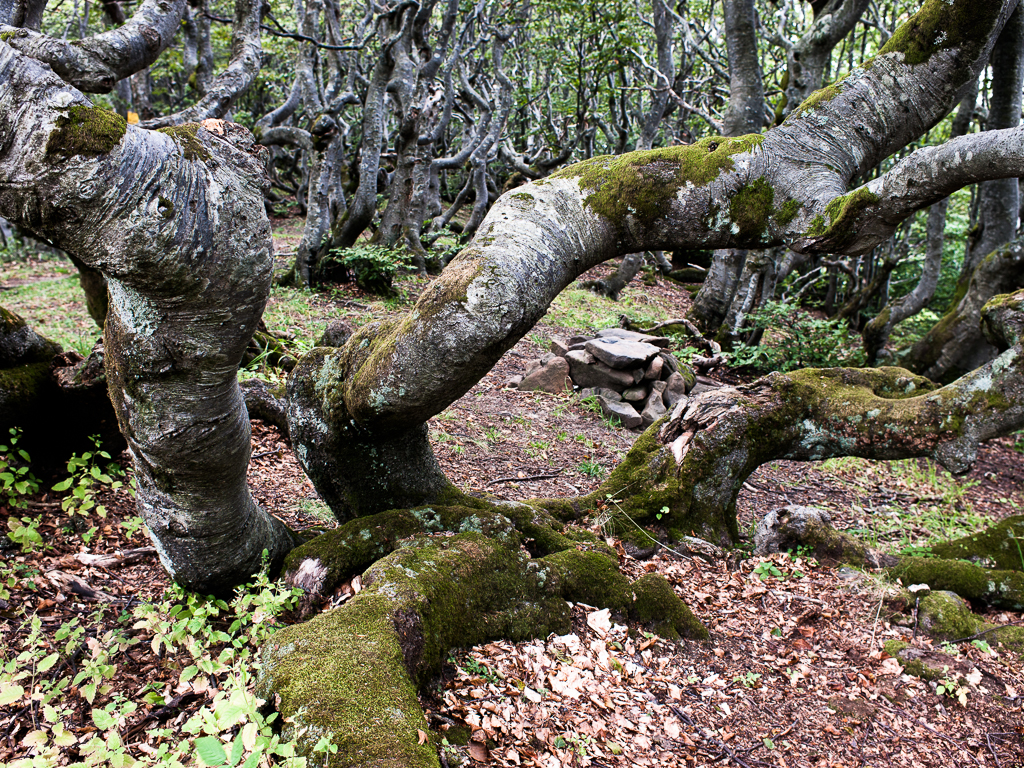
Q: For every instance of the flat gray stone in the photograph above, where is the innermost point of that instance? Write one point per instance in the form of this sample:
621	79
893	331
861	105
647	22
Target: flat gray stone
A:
653	372
623	411
558	346
573	340
622	333
608	394
622	354
596	374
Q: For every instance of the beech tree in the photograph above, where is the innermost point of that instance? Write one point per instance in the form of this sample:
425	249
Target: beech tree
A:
175	221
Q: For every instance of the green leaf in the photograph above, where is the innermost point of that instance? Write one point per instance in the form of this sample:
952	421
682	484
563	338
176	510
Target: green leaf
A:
103	720
210	751
237	750
10	694
48	662
63	485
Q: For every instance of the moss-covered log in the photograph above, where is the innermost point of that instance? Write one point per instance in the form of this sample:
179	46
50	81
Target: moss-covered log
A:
441	578
982	586
683	475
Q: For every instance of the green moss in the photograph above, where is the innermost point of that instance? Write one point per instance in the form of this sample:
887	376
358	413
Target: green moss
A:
187	138
944	24
9	34
658	607
903	652
999	589
1000	546
842	213
641	184
820	96
785	214
751	208
945	615
89	131
590	577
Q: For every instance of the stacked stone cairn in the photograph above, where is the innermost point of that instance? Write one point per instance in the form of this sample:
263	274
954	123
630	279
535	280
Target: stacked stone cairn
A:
632	376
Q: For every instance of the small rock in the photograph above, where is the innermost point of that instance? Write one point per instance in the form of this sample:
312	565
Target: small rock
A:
654	409
635	394
546	358
622	333
675	388
552	377
653	372
558	346
690	545
335	334
596	374
532	365
574	340
608	394
621	354
623	411
670	364
513	382
659	386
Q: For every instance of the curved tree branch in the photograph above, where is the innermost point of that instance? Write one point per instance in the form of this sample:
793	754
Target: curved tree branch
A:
96	63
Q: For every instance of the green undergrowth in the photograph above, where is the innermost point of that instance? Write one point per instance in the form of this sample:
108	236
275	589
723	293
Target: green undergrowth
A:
48	674
577	308
929	506
55	308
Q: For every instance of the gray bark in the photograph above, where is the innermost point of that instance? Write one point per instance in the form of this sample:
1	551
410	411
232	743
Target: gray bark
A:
809	58
148	210
876	332
746	84
96	63
1000	198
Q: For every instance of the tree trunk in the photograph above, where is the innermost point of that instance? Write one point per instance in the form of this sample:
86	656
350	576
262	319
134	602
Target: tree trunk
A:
186	294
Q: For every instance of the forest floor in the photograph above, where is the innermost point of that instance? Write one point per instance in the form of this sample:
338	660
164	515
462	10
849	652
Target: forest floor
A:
795	674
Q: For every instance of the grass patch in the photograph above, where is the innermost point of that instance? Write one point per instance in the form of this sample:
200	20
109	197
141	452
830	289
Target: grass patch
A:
576	308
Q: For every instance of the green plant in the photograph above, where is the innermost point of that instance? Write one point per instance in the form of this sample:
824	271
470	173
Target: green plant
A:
950	686
131	526
537	448
475	668
493	434
749	680
17	480
767	568
795	339
373	266
591	468
24	532
85	473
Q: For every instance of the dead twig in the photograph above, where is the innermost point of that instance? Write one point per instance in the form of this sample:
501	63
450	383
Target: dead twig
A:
523	479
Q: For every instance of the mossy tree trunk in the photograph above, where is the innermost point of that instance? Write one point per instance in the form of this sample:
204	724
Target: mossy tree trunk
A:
147	209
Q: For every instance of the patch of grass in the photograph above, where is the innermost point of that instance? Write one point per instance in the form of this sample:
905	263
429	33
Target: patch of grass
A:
55	308
591	469
576	308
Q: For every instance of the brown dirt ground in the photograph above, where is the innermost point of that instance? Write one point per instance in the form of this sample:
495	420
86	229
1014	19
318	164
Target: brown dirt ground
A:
794	675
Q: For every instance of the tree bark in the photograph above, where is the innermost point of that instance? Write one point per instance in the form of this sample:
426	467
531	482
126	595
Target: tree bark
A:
96	63
788	186
696	462
147	210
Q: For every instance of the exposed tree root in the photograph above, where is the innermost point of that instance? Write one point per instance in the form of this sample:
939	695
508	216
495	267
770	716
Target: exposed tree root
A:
442	577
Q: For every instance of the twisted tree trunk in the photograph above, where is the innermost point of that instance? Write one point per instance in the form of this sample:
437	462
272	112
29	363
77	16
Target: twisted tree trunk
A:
145	208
